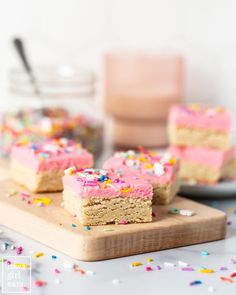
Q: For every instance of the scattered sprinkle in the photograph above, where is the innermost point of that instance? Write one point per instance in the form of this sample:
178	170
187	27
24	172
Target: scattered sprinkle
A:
205	270
116	281
42	201
233	275
148	268
205	253
39	254
19	250
173	211
57	281
108	229
149	260
22	265
225	279
54	257
186	212
56	270
193	283
124	222
68	265
158	267
187	269
169	264
211	289
73	225
79	270
135	264
87	227
40	283
182	263
223	268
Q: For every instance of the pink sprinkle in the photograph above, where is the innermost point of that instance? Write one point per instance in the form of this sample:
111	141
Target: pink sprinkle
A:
148	268
124	222
40	283
40	204
57	270
19	250
25	194
187	269
29	202
25	288
8	262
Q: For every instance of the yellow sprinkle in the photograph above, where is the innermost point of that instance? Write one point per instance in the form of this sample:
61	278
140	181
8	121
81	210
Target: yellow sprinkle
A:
148	165
131	157
172	161
45	201
230	210
135	264
206	270
37	255
142	159
69	171
126	190
149	260
22	265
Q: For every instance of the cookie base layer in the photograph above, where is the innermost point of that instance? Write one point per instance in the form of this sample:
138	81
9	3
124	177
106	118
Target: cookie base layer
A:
184	136
198	172
45	181
99	211
164	194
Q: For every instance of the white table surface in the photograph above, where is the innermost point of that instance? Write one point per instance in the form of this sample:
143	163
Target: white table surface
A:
168	280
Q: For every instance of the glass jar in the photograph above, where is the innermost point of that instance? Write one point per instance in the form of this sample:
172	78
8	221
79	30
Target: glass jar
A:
67	107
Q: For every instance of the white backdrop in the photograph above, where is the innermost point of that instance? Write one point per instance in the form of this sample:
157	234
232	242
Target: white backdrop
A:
77	31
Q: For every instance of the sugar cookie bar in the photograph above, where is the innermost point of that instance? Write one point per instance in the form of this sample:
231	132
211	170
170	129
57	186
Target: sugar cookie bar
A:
98	196
40	167
197	125
159	170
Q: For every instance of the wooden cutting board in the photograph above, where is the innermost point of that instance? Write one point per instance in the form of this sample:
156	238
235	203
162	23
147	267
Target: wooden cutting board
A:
52	226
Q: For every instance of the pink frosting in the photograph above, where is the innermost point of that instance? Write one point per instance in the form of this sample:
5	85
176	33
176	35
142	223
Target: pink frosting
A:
85	186
52	156
121	161
212	157
197	116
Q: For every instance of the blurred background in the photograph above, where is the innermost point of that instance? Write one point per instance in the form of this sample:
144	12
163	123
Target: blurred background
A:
123	62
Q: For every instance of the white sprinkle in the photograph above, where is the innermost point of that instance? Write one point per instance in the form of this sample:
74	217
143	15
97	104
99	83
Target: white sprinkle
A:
186	212
165	158
58	281
4	247
68	265
211	289
1	231
12	247
159	169
116	281
168	264
90	272
182	263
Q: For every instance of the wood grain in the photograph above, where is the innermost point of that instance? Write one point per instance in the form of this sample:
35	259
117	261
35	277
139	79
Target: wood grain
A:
51	225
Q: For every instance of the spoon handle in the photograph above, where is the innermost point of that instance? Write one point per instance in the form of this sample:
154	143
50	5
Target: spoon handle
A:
18	43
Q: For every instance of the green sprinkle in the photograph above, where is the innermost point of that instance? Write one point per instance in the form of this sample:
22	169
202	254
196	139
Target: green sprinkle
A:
204	253
108	229
73	225
173	211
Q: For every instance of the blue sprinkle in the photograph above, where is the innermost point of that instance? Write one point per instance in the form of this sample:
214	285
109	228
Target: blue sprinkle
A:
195	283
87	227
73	225
54	257
204	253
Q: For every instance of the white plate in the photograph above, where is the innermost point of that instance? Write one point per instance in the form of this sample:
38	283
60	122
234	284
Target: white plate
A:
219	190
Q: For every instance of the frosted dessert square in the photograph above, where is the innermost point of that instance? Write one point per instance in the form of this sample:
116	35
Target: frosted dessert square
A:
98	196
40	167
161	170
205	165
198	125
